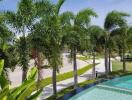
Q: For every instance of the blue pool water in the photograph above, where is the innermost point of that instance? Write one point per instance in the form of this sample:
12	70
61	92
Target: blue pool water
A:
122	82
115	89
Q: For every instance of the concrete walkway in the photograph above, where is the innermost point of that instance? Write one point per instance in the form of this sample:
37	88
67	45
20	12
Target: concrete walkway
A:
48	90
16	76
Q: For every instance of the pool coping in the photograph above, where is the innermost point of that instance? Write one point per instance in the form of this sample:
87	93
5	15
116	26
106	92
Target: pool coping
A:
80	89
116	89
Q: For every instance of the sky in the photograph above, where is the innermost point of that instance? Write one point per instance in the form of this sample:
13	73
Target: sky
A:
101	7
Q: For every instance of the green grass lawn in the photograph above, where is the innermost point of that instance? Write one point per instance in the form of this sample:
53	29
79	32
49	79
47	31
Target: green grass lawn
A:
83	58
65	76
117	65
89	58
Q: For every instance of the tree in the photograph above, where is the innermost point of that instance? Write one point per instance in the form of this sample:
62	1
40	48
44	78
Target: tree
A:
38	36
122	37
74	33
6	37
54	56
113	20
22	21
46	36
95	33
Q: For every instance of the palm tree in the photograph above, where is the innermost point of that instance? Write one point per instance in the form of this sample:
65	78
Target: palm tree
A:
46	36
74	33
56	61
129	38
38	36
21	21
122	36
6	37
113	20
95	33
53	53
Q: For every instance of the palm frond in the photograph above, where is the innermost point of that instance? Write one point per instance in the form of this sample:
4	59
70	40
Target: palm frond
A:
115	19
66	18
84	17
58	6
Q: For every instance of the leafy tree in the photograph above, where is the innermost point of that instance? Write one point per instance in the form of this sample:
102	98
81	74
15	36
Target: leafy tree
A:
54	54
113	20
74	33
45	37
6	37
22	21
122	37
95	33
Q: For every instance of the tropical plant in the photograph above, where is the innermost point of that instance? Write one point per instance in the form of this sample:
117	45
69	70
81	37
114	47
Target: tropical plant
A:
18	92
22	21
113	20
74	33
45	37
95	33
54	54
6	37
123	39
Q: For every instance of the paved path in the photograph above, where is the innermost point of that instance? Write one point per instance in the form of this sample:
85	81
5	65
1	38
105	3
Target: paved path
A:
16	76
48	90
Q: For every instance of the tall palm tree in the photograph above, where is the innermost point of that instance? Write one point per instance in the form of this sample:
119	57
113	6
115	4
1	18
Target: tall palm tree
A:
74	33
22	21
129	38
122	36
38	37
47	34
95	33
55	52
113	20
5	39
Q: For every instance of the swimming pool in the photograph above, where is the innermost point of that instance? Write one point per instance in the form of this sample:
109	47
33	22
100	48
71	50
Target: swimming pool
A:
115	89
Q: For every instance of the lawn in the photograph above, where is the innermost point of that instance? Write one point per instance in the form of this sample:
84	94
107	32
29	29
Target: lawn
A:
98	56
67	75
117	65
83	58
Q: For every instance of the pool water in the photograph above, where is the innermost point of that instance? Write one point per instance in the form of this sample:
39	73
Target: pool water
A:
122	82
115	89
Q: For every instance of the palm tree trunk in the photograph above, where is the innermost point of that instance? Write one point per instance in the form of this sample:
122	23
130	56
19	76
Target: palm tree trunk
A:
106	61
39	74
39	67
94	64
109	70
124	62
24	74
75	69
38	63
25	63
25	54
54	81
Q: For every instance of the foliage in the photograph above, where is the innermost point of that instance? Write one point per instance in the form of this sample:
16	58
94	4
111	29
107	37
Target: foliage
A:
19	92
115	19
95	33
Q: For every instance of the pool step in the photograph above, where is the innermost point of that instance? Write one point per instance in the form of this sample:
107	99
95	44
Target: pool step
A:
116	89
